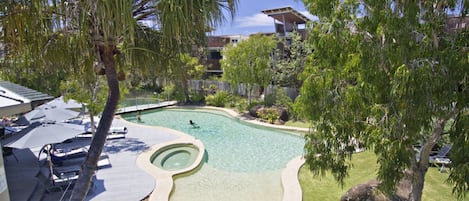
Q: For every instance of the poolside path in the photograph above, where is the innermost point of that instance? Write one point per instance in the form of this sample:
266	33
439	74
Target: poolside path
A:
123	180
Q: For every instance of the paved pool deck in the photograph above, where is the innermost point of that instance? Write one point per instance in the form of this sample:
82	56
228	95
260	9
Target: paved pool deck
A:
124	180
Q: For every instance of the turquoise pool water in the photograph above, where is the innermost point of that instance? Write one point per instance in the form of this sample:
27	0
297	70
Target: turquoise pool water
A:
231	145
243	161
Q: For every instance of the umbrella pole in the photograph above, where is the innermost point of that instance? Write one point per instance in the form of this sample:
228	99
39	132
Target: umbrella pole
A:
50	163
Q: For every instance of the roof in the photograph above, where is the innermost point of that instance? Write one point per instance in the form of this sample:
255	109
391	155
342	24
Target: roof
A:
11	106
25	92
12	103
288	14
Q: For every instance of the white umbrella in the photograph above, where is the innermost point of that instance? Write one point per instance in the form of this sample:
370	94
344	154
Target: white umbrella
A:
46	114
38	135
61	103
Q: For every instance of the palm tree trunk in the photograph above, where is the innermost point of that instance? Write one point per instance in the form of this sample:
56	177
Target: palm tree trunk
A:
89	166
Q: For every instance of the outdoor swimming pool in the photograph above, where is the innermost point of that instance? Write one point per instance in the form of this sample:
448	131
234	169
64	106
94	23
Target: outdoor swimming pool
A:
243	162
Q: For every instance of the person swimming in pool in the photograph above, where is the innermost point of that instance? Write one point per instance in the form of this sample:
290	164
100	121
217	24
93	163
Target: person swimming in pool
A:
139	118
193	124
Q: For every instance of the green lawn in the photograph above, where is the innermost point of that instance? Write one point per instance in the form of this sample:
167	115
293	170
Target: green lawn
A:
300	124
325	188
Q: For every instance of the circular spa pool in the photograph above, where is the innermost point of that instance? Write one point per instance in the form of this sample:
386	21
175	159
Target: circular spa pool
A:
175	157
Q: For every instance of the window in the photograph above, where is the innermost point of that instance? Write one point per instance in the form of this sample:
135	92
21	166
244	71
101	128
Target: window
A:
214	54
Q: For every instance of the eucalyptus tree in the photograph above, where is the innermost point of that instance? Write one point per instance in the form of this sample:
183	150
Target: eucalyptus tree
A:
290	60
249	62
182	69
101	35
389	74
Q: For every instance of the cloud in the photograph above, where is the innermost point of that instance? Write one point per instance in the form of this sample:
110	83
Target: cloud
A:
257	20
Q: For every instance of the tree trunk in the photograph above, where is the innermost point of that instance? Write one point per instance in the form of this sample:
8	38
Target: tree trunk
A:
249	89
89	166
185	89
92	124
420	167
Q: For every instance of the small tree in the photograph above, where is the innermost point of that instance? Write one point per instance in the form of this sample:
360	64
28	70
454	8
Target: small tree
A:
89	90
290	59
182	69
249	62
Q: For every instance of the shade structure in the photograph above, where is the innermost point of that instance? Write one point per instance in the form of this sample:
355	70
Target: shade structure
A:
12	103
7	107
46	114
40	134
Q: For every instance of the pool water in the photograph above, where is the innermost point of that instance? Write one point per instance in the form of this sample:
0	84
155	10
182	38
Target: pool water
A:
176	160
243	161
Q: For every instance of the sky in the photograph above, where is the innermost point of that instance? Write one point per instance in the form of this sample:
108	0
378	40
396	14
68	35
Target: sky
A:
249	18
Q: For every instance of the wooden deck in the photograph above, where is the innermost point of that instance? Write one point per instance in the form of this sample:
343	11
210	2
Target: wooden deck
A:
136	108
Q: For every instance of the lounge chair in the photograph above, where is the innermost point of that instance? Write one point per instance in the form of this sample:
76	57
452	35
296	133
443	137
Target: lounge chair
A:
118	130
8	151
60	180
440	159
114	133
103	162
110	136
59	156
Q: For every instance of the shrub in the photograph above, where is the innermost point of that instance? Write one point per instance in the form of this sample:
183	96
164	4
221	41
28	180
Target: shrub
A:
268	114
219	99
179	96
254	103
270	99
241	104
197	97
283	101
168	91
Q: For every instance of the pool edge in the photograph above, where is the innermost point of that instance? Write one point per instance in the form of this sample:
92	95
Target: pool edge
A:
164	178
240	117
290	182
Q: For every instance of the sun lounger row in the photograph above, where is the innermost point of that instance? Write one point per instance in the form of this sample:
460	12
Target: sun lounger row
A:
61	179
114	133
73	151
113	129
438	158
110	136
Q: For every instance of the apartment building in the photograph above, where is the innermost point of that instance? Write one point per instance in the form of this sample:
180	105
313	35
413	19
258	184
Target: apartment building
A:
215	45
286	20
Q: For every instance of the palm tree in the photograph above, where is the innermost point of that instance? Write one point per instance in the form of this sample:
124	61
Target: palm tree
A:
86	34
